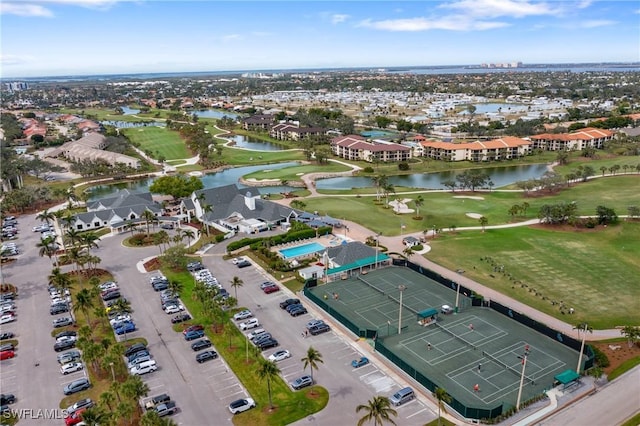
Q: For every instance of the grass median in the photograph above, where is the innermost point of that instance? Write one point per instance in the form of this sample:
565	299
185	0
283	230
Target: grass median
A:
243	359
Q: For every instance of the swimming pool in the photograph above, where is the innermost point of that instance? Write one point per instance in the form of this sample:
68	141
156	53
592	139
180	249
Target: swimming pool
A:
302	250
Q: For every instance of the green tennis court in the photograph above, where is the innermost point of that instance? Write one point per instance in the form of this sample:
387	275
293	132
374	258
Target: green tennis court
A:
475	346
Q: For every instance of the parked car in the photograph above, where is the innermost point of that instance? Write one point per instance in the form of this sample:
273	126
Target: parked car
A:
173	309
166	409
71	367
242	315
240	405
68	333
136	356
298	311
318	329
313	323
302	382
157	400
261	337
267	343
195	334
77	386
7	318
280	355
75	418
161	285
83	403
7	335
271	289
62	322
288	302
180	318
139	359
7	398
201	344
243	264
137	347
127	327
119	318
107	285
194	266
59	308
111	295
7	354
206	356
249	324
144	368
293	306
237	260
167	226
193	327
66	339
357	363
68	357
63	346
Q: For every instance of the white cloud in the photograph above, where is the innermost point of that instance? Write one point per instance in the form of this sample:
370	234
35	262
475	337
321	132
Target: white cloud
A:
594	23
497	8
15	59
451	23
583	4
231	37
338	18
23	9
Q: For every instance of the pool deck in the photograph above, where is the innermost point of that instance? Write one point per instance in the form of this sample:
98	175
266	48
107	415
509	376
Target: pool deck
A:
330	240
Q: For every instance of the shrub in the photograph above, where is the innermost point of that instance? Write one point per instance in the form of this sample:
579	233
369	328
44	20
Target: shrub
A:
403	166
417	247
602	360
368	169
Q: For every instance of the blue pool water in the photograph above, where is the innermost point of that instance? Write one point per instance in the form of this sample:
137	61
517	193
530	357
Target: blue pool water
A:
302	250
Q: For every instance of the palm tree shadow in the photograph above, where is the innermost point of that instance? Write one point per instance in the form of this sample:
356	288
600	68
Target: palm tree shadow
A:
343	392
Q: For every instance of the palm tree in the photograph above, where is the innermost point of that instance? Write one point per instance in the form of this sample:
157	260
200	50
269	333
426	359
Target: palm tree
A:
124	411
94	416
46	216
122	306
312	359
135	388
107	398
483	222
268	370
379	410
129	225
206	208
443	398
47	248
235	283
419	202
72	236
387	189
298	204
408	252
175	286
88	240
151	418
148	217
189	235
84	301
59	280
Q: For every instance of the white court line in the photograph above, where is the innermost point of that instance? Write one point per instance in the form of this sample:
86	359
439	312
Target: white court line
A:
416	413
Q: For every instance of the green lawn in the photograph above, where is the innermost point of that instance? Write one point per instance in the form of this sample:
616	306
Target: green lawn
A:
160	141
442	210
295	173
235	156
592	271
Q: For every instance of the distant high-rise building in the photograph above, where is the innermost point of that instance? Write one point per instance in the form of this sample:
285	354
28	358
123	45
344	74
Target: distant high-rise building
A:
16	86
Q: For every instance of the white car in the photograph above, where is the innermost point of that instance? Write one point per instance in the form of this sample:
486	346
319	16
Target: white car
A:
252	323
174	309
6	318
241	405
71	367
237	260
66	339
242	315
109	285
280	355
119	319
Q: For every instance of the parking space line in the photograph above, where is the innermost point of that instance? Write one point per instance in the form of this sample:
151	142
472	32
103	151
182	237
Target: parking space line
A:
416	413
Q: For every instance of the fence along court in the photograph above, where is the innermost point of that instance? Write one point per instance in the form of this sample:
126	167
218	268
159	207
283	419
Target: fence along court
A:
458	351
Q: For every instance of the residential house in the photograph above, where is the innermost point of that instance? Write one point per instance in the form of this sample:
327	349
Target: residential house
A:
258	122
584	138
355	147
504	148
291	131
91	147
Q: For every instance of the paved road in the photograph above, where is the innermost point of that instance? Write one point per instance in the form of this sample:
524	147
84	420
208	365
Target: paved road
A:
620	397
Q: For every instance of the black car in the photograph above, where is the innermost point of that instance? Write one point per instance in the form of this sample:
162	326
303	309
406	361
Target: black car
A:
135	348
195	266
7	335
292	307
111	295
7	398
206	356
288	302
137	355
201	344
319	329
59	308
261	338
64	345
298	311
243	264
266	344
180	318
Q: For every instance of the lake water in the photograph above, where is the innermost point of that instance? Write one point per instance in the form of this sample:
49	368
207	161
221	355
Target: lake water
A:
489	108
129	111
131	124
214	113
213	180
501	176
254	144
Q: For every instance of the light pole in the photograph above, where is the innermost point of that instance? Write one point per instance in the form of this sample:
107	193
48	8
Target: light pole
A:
113	373
584	336
524	365
377	246
388	325
402	288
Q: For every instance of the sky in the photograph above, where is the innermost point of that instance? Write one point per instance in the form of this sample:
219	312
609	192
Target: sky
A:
85	37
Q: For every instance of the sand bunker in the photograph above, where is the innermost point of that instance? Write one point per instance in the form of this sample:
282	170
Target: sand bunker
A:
400	207
474	215
472	197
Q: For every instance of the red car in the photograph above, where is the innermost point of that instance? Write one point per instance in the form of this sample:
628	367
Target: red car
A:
7	355
195	327
271	289
74	418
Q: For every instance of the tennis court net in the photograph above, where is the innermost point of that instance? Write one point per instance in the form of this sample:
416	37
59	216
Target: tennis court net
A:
446	330
508	367
371	285
379	290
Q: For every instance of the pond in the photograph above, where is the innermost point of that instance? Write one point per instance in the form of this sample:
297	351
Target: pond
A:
254	144
214	113
129	111
501	176
493	108
131	124
213	180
